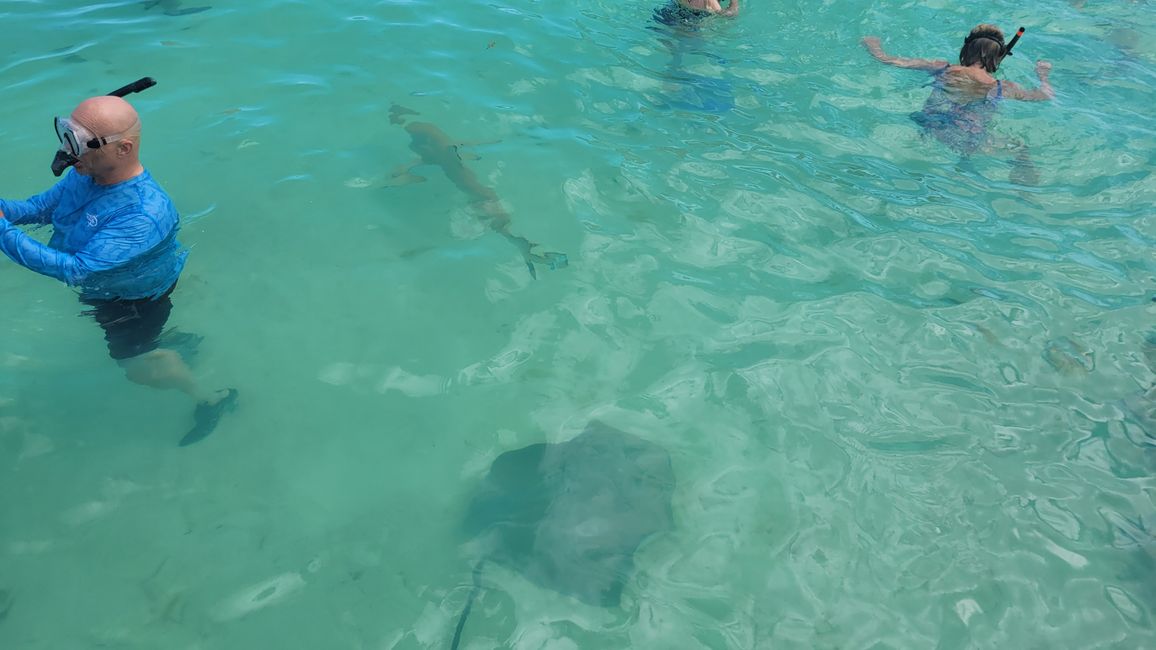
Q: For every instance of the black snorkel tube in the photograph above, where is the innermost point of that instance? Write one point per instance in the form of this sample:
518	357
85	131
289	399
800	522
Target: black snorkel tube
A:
65	159
1007	49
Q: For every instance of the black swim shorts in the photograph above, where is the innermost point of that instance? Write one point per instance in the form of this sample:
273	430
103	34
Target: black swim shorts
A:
131	327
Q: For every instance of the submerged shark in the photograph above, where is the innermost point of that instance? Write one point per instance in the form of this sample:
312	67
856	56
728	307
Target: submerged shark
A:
435	148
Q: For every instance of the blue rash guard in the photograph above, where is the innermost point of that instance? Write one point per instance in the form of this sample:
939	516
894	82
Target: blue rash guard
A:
110	241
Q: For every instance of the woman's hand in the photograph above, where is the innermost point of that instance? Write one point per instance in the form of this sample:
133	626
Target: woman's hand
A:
1043	69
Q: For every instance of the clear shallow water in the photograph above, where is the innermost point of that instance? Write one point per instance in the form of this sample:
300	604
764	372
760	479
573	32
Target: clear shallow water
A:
895	388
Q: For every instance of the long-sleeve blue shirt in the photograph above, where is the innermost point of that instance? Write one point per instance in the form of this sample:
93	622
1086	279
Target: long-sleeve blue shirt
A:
110	241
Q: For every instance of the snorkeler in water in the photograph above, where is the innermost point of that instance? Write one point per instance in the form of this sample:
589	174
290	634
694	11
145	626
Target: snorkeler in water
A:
964	97
678	22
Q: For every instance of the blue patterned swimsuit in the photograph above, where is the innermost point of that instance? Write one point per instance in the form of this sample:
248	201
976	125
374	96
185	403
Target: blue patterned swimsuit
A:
961	126
674	14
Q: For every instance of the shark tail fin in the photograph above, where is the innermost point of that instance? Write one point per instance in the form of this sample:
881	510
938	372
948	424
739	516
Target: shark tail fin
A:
397	113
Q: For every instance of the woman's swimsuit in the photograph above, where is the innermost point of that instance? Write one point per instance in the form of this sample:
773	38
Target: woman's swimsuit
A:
674	14
961	126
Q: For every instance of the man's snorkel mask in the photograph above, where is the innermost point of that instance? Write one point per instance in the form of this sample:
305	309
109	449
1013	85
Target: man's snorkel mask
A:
74	138
985	56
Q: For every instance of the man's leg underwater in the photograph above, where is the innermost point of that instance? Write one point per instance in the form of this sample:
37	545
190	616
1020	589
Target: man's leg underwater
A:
133	330
165	370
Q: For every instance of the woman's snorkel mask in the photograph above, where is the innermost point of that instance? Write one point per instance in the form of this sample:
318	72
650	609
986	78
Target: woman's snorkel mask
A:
989	58
1007	49
75	138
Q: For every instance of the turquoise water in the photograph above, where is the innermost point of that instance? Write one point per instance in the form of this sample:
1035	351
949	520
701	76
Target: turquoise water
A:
903	395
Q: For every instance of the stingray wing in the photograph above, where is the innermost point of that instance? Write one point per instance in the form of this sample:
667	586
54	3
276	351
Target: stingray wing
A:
609	492
570	516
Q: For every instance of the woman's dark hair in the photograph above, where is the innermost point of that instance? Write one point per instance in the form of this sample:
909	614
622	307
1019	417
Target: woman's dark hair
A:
985	45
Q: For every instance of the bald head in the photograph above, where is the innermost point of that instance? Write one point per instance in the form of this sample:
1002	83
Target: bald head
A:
116	123
107	115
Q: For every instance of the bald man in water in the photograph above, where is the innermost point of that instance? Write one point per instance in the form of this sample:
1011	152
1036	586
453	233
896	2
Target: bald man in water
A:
115	239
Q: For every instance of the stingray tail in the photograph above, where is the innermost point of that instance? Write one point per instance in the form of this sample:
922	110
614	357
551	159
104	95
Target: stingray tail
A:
469	604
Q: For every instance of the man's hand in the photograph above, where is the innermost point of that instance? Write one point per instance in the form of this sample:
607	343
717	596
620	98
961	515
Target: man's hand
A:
1043	68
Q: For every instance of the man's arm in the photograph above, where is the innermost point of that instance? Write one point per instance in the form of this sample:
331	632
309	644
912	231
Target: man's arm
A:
1043	93
37	209
117	243
876	49
732	9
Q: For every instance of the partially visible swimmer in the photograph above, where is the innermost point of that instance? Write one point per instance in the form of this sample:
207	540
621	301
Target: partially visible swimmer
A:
678	22
965	97
1142	406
